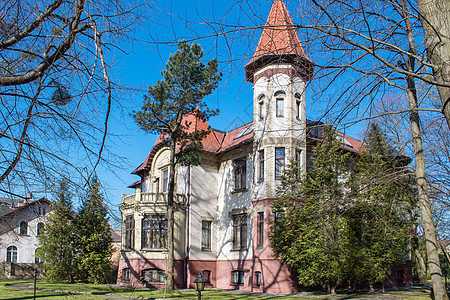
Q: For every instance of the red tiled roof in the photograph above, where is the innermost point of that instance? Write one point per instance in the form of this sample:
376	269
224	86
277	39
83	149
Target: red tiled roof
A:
356	146
214	142
235	138
279	38
217	142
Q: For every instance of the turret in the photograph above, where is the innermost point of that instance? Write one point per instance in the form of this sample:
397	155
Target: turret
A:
279	71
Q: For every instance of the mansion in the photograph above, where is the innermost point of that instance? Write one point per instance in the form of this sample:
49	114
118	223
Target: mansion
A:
223	215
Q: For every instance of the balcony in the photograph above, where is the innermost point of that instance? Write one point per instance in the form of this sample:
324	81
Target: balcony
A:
153	198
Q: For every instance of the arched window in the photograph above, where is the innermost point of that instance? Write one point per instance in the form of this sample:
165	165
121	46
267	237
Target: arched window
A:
261	106
37	259
40	226
23	228
298	105
11	254
279	98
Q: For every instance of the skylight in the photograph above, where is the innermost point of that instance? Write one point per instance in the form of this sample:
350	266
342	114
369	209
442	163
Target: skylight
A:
246	130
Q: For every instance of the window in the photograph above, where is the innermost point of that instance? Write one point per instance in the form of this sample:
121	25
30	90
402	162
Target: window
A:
11	254
260	230
298	160
261	165
237	277
165	180
279	162
279	96
261	107
298	107
257	278
23	227
276	219
153	276
126	274
240	231
206	274
154	231
401	277
206	235
37	259
40	226
41	211
129	232
240	174
157	185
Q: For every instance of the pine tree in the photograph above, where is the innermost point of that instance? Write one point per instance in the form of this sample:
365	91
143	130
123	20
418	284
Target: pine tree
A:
309	232
347	220
380	218
93	238
56	241
187	81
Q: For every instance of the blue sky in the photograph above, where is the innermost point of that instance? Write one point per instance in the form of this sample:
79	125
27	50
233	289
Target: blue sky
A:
144	60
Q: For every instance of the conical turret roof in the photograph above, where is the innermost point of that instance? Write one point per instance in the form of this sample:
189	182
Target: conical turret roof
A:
279	42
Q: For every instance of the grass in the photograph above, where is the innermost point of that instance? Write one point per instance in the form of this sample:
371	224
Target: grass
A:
10	289
11	292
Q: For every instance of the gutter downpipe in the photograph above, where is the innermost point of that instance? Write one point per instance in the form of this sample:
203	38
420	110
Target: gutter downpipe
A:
188	214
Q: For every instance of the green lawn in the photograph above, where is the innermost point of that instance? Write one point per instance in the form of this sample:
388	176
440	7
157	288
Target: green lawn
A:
11	290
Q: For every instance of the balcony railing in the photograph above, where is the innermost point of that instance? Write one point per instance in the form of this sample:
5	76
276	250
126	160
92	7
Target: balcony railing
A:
152	198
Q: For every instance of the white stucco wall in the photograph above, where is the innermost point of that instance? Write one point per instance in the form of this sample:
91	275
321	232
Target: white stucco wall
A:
10	235
229	201
270	132
203	207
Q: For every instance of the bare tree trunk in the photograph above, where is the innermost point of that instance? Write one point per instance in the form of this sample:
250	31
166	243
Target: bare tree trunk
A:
435	18
170	220
424	205
420	266
424	201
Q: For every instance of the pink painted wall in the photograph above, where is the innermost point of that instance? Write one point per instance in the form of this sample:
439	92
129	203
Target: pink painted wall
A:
137	265
196	267
401	276
275	275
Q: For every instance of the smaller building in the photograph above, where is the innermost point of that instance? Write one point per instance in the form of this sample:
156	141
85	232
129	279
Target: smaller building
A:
116	236
20	226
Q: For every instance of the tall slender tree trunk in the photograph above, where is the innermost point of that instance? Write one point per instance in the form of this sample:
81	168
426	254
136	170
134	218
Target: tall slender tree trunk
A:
424	201
435	18
170	219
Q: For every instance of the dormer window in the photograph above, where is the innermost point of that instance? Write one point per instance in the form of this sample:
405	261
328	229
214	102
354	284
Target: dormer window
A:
298	105
279	98
23	228
261	106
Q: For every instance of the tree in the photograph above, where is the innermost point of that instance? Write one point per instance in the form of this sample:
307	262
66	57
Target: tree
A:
380	218
186	82
309	232
434	16
55	89
346	221
57	247
93	238
363	50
